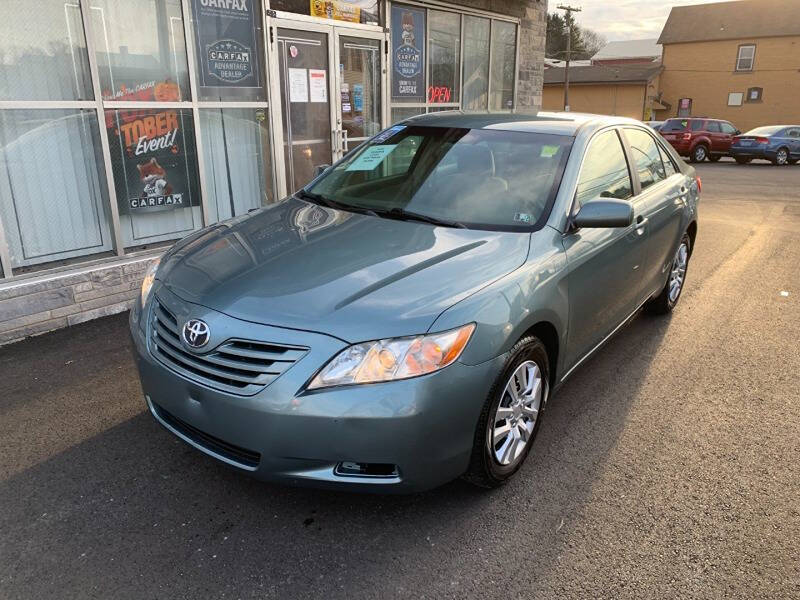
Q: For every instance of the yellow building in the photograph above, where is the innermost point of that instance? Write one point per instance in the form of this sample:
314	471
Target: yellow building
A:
738	61
627	90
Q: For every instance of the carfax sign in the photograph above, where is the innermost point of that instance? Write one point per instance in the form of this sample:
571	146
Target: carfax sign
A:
227	43
408	53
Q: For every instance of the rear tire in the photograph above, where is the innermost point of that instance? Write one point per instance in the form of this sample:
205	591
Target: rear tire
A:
507	419
699	153
743	161
668	298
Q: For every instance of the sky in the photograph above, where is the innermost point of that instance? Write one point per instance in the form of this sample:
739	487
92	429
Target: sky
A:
624	19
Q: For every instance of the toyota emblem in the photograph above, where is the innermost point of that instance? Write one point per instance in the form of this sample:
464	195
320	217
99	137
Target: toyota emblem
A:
196	333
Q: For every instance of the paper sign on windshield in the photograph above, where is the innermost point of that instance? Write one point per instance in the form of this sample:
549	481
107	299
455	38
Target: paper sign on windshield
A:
370	158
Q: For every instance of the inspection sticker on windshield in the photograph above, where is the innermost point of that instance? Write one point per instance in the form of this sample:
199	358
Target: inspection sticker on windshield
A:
549	151
386	134
370	158
522	217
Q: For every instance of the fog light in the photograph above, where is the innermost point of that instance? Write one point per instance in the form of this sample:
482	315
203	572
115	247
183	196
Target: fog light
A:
356	469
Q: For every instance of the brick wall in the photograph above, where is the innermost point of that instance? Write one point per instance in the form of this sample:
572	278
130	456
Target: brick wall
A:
705	72
31	307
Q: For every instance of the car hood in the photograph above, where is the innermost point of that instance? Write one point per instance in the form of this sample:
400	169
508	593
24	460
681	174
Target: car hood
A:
357	277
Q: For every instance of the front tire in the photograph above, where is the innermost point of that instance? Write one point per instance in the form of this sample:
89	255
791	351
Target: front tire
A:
781	157
668	298
511	415
699	153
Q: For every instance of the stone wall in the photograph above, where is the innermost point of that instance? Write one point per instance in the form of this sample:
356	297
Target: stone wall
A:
31	307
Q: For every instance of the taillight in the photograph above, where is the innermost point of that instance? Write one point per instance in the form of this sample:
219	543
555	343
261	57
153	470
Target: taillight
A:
699	184
687	137
762	140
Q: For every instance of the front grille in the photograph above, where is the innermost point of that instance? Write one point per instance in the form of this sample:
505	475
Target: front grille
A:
243	456
237	366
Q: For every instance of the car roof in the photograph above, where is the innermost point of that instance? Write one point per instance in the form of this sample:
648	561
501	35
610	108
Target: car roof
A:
557	123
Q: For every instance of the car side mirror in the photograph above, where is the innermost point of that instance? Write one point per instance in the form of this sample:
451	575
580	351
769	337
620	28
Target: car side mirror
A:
737	132
604	212
320	169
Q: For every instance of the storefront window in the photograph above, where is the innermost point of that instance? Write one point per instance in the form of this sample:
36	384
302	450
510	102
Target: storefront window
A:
504	51
444	56
354	11
43	58
155	173
476	63
229	48
238	170
53	197
401	112
141	51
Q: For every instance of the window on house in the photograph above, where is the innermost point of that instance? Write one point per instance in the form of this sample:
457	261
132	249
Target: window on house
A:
754	94
735	99
746	58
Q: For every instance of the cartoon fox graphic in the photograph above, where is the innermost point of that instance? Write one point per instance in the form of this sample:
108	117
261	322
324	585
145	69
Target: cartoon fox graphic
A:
154	179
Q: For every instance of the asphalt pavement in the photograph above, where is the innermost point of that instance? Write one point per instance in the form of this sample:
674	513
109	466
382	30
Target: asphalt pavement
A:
668	466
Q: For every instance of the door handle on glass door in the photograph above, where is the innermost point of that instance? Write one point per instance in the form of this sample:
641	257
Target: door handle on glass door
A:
345	141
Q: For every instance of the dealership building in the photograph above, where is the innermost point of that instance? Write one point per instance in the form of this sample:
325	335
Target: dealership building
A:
127	124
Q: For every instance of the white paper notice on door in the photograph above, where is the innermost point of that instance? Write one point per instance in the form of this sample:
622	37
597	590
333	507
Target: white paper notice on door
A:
298	85
318	85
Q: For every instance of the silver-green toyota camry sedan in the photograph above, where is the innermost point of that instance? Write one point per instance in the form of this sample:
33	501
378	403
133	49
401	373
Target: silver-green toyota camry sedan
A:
405	318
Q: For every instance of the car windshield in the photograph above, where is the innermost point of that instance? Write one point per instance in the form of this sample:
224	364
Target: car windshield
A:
475	178
769	130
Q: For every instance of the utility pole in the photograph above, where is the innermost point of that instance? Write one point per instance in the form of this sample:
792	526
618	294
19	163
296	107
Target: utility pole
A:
568	10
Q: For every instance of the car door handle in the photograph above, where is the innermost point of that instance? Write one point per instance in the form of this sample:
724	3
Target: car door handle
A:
641	224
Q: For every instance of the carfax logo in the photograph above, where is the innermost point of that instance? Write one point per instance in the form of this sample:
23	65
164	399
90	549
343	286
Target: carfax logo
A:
229	61
407	57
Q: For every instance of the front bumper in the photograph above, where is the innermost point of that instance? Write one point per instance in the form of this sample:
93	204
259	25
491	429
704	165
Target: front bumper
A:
424	426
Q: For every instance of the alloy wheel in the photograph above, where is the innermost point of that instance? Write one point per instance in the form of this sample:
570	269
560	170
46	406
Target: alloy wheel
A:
700	153
516	415
782	157
678	273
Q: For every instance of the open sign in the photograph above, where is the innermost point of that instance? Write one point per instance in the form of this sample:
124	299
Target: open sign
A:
439	93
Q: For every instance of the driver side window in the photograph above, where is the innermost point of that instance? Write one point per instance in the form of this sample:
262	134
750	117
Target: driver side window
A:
605	171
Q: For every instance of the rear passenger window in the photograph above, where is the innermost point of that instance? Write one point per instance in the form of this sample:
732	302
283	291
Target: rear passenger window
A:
646	157
605	170
697	125
669	166
713	127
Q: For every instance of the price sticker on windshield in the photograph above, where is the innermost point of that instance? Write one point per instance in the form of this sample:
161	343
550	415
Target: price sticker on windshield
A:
370	158
549	151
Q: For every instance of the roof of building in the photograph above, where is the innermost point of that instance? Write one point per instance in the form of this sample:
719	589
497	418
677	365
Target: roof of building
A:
604	73
629	49
731	20
557	62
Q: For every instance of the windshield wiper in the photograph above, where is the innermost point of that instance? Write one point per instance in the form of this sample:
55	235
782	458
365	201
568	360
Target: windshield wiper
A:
407	215
330	203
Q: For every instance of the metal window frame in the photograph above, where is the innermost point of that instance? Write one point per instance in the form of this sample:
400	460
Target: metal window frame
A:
739	58
99	106
462	12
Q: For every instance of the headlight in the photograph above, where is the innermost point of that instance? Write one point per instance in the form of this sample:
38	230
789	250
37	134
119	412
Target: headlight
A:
149	279
397	358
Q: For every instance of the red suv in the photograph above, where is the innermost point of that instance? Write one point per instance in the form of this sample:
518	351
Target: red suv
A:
699	138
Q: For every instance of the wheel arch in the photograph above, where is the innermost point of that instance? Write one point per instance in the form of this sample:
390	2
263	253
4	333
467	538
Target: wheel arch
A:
547	333
692	231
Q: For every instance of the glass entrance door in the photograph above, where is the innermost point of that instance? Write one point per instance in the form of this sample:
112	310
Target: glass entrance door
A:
331	93
305	97
360	104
